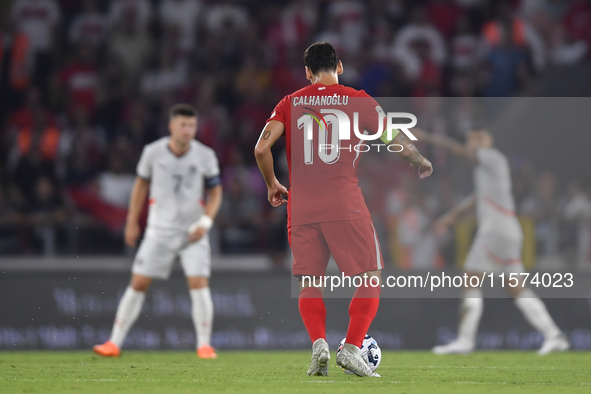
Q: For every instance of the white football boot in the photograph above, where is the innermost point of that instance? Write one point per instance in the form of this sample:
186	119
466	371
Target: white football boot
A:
320	358
454	347
558	343
349	358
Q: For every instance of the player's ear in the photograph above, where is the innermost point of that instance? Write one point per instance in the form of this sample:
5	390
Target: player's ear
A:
309	75
340	68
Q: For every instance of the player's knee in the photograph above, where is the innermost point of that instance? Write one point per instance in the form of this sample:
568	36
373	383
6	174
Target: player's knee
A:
197	282
516	291
372	278
312	281
140	283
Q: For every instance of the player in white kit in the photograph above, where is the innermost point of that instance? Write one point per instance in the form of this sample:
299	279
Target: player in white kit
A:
497	245
177	171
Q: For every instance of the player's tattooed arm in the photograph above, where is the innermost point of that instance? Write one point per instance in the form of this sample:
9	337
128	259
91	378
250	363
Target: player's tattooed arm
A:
411	154
262	151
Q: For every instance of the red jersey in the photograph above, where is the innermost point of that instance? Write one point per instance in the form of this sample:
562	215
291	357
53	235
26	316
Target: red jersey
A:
322	169
82	82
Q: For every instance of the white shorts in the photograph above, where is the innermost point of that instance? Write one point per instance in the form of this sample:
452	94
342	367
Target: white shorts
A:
495	253
156	256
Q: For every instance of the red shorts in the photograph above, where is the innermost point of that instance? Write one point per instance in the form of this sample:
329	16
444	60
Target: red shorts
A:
353	244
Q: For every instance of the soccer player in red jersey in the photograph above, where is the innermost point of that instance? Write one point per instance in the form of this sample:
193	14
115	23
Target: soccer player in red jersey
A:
327	214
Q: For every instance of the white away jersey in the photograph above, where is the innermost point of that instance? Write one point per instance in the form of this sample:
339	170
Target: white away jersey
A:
177	183
495	207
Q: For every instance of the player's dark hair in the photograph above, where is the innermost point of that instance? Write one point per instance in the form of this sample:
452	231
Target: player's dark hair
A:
182	110
321	56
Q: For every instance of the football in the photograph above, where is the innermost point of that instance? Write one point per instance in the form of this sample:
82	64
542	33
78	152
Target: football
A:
370	352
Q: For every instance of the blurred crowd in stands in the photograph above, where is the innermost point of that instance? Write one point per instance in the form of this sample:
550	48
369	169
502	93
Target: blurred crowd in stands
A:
85	84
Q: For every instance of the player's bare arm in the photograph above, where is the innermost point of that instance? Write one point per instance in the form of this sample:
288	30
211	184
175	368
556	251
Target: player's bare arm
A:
446	143
411	154
449	219
212	206
262	151
136	204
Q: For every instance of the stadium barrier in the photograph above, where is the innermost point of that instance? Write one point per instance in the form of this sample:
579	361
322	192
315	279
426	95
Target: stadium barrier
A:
73	308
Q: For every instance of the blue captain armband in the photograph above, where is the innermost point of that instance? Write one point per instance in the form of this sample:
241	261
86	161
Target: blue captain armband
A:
212	181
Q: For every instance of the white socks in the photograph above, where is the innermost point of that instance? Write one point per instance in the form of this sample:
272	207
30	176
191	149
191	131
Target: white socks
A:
471	311
128	311
536	314
202	313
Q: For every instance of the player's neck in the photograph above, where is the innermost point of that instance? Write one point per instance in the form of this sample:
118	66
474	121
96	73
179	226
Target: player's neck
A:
325	79
178	148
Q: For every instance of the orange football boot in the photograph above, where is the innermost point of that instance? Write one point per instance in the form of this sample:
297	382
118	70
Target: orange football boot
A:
206	352
107	349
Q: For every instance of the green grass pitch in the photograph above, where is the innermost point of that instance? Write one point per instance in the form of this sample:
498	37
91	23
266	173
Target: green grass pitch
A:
285	372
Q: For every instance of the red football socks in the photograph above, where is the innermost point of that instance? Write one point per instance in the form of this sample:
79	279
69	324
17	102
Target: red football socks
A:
362	310
313	312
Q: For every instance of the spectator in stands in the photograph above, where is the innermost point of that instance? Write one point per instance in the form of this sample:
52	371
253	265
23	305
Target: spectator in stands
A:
214	123
81	146
546	17
141	10
78	82
542	206
298	21
508	30
116	183
577	21
23	117
168	75
182	16
137	128
409	222
577	215
231	58
16	67
226	14
130	43
332	32
39	20
90	26
445	15
33	154
78	167
46	213
350	17
417	42
239	219
112	94
505	66
463	46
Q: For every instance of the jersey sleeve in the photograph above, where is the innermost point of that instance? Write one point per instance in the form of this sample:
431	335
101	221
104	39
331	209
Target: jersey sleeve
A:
280	111
212	171
372	115
144	166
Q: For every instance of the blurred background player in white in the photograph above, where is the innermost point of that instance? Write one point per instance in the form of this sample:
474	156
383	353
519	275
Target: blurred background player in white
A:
176	170
498	242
